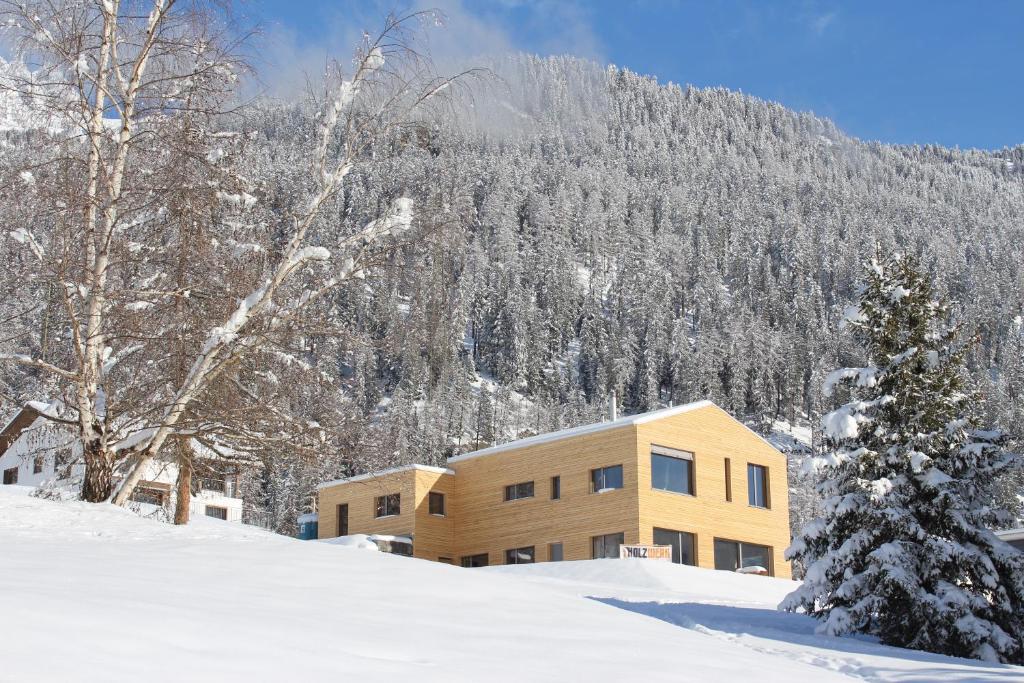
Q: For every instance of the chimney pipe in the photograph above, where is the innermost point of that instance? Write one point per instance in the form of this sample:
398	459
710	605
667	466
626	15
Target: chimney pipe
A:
613	408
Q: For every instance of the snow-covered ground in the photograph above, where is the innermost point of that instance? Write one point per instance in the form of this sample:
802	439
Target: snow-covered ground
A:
96	593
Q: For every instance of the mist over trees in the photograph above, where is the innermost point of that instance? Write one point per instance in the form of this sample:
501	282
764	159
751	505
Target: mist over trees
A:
589	230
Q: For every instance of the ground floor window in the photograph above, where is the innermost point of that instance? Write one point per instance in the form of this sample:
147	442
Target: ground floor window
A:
151	493
216	512
682	543
555	552
445	560
480	560
733	555
37	464
607	545
520	555
11	476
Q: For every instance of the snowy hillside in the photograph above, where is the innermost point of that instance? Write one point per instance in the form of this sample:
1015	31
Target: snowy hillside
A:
95	593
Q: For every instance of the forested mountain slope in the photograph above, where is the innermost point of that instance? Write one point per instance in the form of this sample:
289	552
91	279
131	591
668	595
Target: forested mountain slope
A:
676	244
595	231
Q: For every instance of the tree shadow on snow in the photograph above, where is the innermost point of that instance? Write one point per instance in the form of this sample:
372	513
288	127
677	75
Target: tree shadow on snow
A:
842	654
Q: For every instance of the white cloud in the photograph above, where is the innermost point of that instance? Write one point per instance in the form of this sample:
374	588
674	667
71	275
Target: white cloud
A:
286	60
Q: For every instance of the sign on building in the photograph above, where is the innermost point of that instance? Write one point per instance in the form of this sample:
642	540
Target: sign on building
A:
646	552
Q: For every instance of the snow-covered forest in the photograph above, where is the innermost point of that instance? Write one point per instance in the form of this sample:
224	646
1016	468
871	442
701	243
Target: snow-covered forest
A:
579	230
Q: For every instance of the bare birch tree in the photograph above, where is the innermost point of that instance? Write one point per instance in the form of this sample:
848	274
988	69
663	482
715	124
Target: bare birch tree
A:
120	78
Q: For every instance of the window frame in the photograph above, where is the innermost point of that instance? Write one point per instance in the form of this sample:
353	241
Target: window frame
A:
514	553
467	560
739	553
561	552
431	497
342	508
10	476
603	538
381	507
677	454
556	487
766	488
728	480
223	510
38	463
512	491
679	533
607	489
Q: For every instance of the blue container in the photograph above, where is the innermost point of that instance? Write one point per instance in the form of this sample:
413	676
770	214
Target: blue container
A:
308	524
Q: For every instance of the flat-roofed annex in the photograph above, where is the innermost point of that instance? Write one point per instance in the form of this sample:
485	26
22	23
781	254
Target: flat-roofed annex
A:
380	473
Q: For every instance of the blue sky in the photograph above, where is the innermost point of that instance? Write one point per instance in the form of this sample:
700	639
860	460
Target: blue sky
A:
902	71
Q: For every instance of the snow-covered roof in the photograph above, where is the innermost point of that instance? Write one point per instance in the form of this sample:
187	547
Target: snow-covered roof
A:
639	418
381	473
22	420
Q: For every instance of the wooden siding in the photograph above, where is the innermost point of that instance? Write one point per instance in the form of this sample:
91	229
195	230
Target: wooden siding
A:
479	520
434	535
712	435
486	523
361	497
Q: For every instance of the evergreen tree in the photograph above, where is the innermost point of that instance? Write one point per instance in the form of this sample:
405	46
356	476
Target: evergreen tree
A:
904	549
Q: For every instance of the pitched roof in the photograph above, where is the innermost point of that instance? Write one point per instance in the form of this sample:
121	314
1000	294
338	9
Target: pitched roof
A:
639	418
21	421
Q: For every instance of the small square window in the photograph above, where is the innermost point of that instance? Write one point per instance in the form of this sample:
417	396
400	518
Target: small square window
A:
436	503
11	475
388	506
606	479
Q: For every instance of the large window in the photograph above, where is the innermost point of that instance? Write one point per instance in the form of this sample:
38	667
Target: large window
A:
605	479
436	503
216	512
11	475
556	488
520	555
555	552
475	560
733	555
388	506
672	470
757	486
518	491
607	545
682	545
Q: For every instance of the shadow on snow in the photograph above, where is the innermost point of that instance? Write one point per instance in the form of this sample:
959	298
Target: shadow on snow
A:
798	641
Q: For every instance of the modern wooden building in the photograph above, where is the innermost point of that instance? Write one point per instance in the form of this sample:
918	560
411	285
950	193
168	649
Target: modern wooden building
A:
691	477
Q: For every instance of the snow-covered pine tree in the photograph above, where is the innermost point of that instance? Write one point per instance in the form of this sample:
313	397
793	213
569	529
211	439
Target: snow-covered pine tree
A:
904	549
